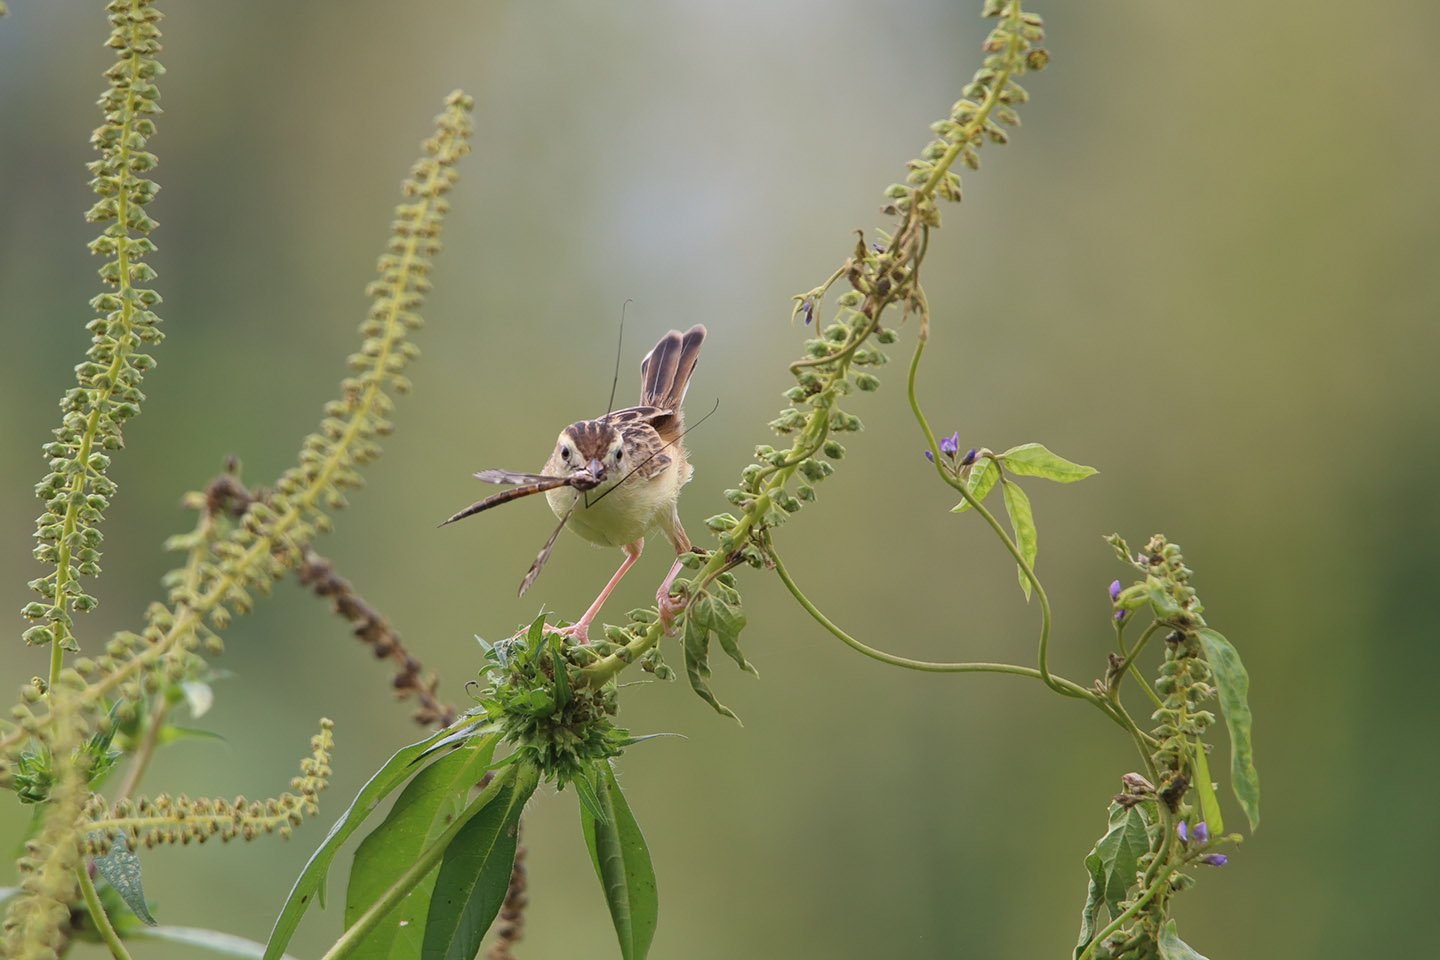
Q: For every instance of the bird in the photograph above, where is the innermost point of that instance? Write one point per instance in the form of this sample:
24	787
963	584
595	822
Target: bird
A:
616	479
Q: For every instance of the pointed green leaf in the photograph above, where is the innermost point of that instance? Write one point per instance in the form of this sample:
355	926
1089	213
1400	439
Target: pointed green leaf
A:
1162	603
1209	803
1033	460
396	770
560	681
709	615
725	621
1172	947
622	863
1233	684
980	482
1022	521
1119	850
170	733
121	869
475	873
589	799
1094	897
222	944
423	810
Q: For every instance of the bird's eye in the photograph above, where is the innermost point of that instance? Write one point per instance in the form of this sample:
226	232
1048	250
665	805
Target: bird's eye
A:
565	454
618	454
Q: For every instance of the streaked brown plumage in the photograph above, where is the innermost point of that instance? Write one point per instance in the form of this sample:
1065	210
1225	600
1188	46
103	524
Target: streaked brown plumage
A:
615	479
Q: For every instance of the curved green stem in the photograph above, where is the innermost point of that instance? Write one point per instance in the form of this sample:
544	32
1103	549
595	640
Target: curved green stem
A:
98	916
979	508
1129	663
928	666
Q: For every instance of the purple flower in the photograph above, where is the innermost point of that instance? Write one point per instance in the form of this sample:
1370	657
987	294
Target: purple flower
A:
1201	832
929	456
1215	859
1114	590
807	308
1119	614
1181	832
950	445
969	458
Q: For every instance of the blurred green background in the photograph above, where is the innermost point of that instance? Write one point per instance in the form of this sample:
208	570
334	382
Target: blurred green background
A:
1204	265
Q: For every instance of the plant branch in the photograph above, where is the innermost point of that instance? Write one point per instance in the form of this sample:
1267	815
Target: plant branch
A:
980	508
98	916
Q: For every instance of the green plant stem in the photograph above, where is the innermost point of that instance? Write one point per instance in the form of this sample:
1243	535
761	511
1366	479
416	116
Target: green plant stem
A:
99	399
98	916
366	923
1129	664
188	616
926	666
141	757
997	89
1121	920
979	508
1130	659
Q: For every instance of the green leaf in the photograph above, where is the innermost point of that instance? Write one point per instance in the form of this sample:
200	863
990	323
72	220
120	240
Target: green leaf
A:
423	810
170	733
1022	521
121	869
589	798
709	615
1234	685
560	683
224	944
1119	850
312	878
725	621
475	873
622	863
1094	896
1172	947
980	482
1033	460
1162	603
1209	803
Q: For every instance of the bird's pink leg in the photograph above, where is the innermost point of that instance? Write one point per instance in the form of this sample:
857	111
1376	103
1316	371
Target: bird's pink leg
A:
580	630
668	605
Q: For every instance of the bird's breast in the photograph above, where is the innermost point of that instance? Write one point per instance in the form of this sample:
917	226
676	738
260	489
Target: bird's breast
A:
616	515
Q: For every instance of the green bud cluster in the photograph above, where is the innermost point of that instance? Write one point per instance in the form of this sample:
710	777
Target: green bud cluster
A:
545	708
985	108
75	489
272	532
34	773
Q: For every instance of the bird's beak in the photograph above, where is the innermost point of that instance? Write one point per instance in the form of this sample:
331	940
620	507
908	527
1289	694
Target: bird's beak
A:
596	468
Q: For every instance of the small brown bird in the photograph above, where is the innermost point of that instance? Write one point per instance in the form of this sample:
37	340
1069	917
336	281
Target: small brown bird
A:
615	479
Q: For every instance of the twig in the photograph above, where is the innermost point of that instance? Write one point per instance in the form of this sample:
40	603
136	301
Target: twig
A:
226	494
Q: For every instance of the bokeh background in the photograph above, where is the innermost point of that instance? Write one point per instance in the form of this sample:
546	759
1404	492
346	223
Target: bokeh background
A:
1205	265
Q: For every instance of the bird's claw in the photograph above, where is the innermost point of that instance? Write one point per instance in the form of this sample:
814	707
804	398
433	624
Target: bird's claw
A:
578	632
669	608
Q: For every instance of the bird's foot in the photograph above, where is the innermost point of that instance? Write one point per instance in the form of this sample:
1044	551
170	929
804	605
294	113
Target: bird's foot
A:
669	608
578	632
